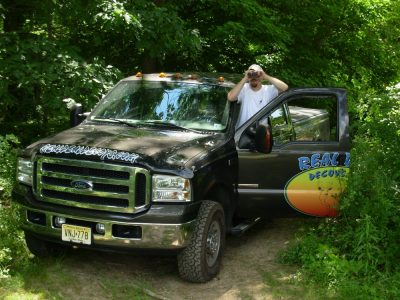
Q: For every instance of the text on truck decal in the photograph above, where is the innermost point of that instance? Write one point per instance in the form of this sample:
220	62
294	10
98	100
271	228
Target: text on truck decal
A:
316	190
89	151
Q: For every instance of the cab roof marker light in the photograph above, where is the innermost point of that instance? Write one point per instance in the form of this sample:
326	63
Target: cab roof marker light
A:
162	75
139	74
221	79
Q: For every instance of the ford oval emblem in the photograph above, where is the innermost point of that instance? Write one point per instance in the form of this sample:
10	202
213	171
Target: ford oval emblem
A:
82	184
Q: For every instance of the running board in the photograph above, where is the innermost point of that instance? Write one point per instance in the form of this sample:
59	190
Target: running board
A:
244	226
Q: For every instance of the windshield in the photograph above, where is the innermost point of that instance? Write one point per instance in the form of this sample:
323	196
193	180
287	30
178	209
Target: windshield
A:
191	106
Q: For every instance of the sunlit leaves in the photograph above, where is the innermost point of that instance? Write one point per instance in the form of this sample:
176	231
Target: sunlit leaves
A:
39	73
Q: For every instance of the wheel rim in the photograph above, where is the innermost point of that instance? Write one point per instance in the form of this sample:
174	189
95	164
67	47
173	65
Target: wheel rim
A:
213	243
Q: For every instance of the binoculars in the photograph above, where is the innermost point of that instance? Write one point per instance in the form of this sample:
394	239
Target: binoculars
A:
252	74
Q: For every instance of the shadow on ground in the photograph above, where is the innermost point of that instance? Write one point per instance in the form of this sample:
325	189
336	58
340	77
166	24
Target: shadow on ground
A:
249	271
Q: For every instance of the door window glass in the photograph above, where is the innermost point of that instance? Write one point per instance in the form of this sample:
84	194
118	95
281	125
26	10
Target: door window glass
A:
280	128
314	118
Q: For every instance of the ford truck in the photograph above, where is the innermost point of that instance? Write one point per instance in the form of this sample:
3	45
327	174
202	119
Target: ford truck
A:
157	164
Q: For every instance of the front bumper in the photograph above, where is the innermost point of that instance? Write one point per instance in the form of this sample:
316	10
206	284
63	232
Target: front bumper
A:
152	235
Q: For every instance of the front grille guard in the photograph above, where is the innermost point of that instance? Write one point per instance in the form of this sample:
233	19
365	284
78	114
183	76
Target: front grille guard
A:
122	199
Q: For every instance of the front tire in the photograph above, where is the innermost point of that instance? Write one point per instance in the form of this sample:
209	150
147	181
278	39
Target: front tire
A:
200	261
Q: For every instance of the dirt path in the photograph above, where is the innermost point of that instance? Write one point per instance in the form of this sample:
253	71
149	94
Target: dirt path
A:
246	260
249	271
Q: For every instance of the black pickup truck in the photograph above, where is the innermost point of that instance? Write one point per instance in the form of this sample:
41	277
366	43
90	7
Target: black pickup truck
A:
158	165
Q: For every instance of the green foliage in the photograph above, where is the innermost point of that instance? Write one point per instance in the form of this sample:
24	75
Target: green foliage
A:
13	253
340	43
232	33
373	200
51	50
8	168
131	35
36	74
165	34
12	250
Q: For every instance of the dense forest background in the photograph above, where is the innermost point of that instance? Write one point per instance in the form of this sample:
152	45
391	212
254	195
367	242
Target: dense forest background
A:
53	49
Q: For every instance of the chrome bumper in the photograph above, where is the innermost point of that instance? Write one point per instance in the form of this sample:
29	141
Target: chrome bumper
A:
154	236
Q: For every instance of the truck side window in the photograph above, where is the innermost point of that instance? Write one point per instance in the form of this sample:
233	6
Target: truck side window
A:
314	118
280	128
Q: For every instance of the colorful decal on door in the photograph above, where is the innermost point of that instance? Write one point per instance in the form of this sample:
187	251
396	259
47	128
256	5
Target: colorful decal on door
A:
316	190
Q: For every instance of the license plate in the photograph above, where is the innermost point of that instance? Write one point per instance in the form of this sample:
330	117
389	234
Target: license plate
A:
76	234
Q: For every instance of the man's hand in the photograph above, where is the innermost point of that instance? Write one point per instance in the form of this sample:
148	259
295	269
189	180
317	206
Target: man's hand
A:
263	75
279	84
246	75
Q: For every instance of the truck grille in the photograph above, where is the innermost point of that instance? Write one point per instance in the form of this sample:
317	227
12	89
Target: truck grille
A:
92	185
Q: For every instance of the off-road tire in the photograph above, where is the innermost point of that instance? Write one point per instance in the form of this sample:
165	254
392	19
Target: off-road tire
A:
41	248
200	261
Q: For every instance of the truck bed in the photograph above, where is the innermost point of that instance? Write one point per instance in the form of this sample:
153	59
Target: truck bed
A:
310	124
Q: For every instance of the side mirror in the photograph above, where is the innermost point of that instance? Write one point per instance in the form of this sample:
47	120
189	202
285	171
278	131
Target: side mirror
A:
263	139
76	115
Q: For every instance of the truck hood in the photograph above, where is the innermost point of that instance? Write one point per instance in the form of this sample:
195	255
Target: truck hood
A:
156	147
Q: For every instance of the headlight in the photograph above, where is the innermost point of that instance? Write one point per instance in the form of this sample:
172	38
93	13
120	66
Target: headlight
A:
171	189
25	170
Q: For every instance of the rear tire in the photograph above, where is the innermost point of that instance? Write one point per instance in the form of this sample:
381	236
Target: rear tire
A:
200	261
41	248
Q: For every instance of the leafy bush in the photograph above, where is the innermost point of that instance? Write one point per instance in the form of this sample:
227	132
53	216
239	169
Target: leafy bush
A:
13	253
36	74
360	248
12	250
7	171
370	219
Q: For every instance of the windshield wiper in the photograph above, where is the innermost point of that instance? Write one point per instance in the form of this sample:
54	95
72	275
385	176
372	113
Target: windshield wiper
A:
172	125
115	120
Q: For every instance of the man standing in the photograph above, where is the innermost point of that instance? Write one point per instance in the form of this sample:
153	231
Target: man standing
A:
252	94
